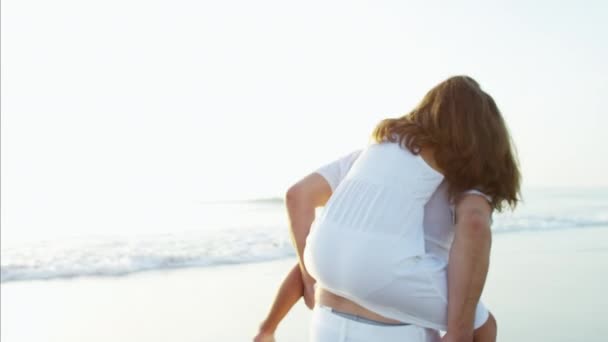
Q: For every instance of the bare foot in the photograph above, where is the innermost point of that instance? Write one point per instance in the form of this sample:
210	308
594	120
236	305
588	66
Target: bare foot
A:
264	337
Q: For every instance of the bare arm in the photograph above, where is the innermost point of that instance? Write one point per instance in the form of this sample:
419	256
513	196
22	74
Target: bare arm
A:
301	200
468	265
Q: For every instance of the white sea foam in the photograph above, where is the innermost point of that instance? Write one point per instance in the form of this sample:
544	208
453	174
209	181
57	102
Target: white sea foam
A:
244	239
124	255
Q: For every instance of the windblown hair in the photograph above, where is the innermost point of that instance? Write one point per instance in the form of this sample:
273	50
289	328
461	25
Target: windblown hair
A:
470	139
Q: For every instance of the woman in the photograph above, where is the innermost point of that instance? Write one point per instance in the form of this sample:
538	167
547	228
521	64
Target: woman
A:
369	250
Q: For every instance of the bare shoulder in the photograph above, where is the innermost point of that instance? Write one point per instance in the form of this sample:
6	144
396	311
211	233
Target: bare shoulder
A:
473	200
313	188
473	207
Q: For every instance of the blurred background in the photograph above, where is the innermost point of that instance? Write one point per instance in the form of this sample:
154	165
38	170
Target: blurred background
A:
161	135
142	135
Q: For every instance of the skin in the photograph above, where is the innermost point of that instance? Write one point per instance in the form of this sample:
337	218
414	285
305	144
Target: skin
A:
301	201
467	269
468	266
291	290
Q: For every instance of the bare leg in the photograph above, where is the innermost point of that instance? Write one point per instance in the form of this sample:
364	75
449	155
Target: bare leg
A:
289	293
486	332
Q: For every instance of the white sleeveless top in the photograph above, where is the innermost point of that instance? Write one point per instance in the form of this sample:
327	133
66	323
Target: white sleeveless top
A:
376	227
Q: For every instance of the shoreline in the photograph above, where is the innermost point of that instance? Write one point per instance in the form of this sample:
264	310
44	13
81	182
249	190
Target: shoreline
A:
497	234
541	286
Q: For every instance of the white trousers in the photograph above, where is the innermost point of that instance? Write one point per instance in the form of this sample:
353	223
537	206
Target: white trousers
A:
327	326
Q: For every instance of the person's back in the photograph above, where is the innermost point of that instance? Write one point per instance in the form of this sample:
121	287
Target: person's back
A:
379	241
352	253
369	247
380	250
372	222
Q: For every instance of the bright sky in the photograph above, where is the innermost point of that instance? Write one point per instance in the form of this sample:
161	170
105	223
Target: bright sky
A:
107	105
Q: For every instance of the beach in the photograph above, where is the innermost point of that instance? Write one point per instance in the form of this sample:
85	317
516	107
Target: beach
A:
542	286
147	150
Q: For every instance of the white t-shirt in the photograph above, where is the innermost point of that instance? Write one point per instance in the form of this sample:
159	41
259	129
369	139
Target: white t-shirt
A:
438	212
384	236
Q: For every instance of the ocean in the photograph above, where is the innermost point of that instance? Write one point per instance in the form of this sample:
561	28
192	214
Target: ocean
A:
235	232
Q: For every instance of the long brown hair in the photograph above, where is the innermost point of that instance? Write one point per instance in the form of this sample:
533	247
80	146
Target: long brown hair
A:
470	139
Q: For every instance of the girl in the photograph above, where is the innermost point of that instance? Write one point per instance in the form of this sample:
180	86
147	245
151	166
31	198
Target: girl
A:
372	249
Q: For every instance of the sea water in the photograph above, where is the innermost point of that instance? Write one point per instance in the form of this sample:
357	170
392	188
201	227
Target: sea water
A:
229	232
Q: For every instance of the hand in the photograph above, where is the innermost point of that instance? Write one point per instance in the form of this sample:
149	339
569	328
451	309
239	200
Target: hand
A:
307	278
309	289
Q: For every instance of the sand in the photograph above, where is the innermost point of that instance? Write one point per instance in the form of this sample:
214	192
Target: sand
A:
542	286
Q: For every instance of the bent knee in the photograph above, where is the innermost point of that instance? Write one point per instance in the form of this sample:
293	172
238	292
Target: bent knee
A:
493	323
487	332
